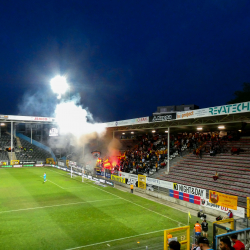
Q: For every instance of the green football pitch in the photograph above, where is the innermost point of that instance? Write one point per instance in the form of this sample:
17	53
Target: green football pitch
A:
65	213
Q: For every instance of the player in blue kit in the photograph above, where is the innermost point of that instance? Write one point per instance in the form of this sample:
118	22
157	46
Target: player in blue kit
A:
44	177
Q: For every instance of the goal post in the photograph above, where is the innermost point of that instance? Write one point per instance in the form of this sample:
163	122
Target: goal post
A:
75	170
180	234
248	207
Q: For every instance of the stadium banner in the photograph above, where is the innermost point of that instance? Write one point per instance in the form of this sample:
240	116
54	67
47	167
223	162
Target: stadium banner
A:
142	181
29	165
159	183
14	162
50	161
38	165
142	120
132	179
123	174
224	200
230	109
118	179
6	166
17	166
192	113
27	162
61	163
162	118
185	196
110	183
29	118
3	163
189	190
239	212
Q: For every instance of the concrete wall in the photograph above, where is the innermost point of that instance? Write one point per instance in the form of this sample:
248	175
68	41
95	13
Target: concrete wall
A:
186	204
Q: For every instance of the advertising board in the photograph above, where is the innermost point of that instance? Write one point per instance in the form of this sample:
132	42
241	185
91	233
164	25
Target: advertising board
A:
118	179
189	190
224	200
162	118
239	212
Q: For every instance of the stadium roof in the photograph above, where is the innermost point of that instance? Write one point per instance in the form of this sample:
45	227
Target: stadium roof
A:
209	118
232	115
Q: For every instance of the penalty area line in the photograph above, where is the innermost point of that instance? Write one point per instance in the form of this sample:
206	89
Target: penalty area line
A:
124	238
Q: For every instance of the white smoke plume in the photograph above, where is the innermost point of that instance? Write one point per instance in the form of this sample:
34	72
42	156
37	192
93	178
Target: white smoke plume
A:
72	118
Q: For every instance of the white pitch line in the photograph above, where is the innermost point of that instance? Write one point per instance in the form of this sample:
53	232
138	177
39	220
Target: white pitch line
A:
54	183
59	205
103	242
139	205
179	223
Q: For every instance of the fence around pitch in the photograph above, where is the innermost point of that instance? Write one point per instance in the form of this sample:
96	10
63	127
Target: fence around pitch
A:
243	235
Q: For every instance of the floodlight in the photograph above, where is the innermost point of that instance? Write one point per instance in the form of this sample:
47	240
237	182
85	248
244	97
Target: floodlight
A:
59	85
132	132
199	128
166	131
221	127
153	131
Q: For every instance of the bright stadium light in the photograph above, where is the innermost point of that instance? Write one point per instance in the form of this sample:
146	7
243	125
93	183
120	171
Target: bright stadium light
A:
199	128
59	85
221	127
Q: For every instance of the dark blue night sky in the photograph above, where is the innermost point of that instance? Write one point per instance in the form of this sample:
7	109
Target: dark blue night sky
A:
124	57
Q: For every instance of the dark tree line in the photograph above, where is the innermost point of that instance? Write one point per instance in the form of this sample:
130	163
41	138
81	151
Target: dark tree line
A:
241	95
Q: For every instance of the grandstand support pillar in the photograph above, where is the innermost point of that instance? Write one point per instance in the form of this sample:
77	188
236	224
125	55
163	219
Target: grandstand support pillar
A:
15	130
113	134
31	134
11	139
0	132
168	148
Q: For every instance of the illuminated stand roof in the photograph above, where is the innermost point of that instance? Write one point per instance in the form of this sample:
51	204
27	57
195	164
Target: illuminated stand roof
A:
231	113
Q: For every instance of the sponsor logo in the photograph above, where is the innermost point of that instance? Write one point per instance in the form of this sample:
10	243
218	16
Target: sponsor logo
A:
231	108
41	119
160	118
142	120
185	115
17	166
190	190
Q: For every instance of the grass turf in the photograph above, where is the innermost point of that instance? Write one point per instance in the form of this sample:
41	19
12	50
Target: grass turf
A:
65	213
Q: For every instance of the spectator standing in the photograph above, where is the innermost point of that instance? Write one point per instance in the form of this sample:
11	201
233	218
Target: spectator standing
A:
131	188
204	226
174	245
225	243
238	245
204	243
170	236
197	228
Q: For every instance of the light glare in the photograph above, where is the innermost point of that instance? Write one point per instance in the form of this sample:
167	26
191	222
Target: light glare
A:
59	85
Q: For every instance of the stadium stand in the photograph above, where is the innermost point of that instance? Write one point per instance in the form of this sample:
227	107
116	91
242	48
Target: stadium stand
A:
24	151
234	171
32	152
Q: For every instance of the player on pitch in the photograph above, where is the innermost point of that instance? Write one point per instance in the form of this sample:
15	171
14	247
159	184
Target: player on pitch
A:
44	177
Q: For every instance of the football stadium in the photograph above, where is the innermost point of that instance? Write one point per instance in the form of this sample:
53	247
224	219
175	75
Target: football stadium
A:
176	175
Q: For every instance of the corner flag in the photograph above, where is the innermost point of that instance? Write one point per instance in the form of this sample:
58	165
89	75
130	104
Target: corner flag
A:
189	214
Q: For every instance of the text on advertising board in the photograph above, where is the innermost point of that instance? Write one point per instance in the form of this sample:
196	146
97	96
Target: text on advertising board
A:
162	118
231	108
190	190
